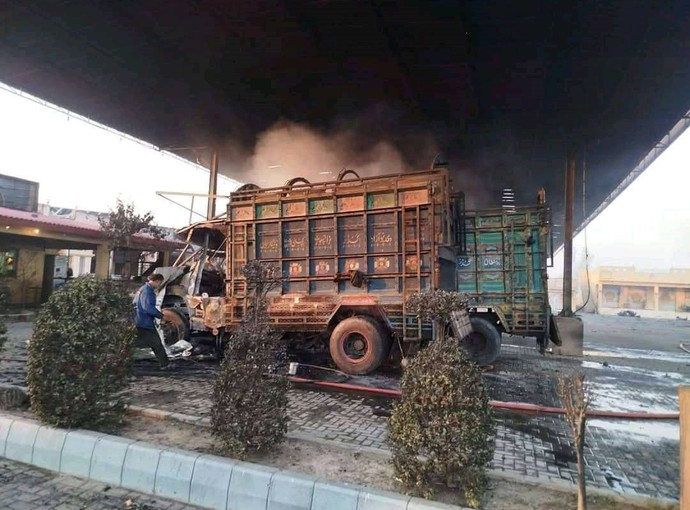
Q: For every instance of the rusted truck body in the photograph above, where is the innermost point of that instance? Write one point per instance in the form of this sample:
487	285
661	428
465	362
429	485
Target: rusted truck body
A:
352	250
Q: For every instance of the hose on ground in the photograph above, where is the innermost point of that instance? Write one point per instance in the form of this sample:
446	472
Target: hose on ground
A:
346	386
496	404
333	370
317	367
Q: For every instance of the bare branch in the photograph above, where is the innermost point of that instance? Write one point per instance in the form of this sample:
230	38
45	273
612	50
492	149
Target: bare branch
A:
576	396
262	278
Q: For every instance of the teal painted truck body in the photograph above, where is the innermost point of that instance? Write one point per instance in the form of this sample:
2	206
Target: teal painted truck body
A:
502	266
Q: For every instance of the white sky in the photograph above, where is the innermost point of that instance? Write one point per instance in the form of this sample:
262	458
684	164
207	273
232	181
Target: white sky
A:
648	225
85	165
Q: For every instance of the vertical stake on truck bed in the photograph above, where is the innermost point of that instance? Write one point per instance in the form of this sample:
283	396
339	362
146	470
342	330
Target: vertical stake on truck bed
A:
202	263
212	187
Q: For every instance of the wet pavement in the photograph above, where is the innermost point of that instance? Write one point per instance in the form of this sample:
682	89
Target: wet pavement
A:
633	365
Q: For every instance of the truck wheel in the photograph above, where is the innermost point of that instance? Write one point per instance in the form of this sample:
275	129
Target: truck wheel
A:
175	326
358	345
483	345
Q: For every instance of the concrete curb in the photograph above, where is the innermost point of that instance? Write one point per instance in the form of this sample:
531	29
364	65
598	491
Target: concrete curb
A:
556	485
190	478
18	317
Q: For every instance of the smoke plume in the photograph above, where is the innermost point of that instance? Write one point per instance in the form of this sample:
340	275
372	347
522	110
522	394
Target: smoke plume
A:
288	150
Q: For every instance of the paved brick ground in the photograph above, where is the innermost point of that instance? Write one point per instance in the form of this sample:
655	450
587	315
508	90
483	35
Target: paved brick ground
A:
624	456
537	446
25	487
13	354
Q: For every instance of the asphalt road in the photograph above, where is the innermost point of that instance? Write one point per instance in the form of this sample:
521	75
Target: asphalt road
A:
635	333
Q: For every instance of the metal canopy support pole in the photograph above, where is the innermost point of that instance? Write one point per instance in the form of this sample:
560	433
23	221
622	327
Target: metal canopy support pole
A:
684	401
191	210
212	187
568	240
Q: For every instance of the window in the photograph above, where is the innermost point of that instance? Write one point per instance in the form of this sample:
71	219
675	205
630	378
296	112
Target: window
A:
8	263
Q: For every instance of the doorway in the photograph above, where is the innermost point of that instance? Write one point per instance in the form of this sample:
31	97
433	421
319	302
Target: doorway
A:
48	270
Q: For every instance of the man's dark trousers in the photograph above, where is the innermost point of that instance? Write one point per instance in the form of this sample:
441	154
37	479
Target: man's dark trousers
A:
149	338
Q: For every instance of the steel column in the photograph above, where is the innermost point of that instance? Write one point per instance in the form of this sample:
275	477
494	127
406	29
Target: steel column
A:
568	240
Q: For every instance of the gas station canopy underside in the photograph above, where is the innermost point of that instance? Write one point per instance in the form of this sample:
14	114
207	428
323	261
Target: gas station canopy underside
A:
503	89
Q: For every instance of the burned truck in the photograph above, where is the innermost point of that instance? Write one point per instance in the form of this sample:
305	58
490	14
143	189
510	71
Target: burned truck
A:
352	251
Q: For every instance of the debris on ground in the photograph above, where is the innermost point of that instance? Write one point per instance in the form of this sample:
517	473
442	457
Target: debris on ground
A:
182	348
13	397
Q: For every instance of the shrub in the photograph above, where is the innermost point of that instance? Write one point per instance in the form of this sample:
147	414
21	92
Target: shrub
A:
440	429
436	305
4	302
249	411
80	354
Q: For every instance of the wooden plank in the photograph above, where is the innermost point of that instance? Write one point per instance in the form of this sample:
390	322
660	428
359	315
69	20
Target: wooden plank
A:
381	200
294	209
242	213
352	203
321	206
684	399
413	197
264	211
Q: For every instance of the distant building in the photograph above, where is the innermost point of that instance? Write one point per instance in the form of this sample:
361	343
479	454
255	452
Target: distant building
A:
666	293
40	250
658	293
124	264
18	193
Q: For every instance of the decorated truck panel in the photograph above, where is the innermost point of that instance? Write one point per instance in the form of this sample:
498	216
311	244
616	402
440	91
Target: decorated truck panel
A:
503	267
350	247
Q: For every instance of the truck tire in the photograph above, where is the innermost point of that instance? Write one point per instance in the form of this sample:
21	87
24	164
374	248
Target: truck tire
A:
483	345
175	326
358	345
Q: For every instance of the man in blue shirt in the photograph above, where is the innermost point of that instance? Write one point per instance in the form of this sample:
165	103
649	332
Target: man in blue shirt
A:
145	313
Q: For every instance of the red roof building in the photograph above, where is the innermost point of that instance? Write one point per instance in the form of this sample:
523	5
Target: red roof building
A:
32	244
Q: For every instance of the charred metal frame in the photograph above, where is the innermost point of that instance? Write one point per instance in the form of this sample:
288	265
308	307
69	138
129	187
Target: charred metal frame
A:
426	227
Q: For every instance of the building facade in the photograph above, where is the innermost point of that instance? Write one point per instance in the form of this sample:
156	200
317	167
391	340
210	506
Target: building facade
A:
611	289
651	293
41	248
